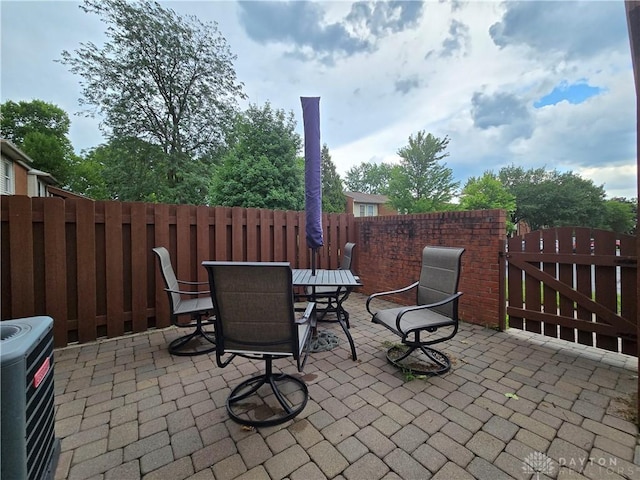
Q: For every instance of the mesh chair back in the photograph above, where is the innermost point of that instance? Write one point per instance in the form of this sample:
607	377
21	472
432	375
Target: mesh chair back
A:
347	256
169	276
254	307
439	277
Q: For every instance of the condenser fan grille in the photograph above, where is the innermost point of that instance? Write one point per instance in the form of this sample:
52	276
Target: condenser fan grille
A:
9	331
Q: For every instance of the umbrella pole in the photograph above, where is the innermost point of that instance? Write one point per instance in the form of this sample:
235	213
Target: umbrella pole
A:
314	253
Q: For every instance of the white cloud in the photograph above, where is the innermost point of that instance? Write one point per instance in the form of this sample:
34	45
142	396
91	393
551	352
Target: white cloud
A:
615	178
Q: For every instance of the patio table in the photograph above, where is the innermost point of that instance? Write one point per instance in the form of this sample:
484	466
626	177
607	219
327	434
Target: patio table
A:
341	279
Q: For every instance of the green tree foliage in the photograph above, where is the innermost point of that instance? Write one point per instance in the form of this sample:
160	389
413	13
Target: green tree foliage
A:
40	130
369	178
487	192
130	169
261	167
164	79
553	199
88	175
421	183
621	215
333	199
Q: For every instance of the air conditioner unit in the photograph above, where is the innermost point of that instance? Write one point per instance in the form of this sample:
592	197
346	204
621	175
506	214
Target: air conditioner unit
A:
28	447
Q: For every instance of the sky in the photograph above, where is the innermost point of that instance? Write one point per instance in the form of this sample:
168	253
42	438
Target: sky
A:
529	83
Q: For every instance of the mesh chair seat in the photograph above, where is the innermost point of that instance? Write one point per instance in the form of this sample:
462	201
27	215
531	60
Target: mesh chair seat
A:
194	305
411	321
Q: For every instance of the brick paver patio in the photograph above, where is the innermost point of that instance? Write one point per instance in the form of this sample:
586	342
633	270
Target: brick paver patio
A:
126	409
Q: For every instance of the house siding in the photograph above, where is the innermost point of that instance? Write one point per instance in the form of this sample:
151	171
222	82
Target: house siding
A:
19	180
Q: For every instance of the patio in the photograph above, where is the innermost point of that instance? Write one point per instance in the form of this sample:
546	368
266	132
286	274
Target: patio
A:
126	409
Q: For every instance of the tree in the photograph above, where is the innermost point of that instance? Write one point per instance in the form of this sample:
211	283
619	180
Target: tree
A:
621	215
333	199
369	178
88	176
127	158
518	182
40	130
553	199
161	78
420	183
487	192
261	168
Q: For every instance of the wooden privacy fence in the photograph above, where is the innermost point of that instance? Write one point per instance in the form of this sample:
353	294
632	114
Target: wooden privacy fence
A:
89	265
576	284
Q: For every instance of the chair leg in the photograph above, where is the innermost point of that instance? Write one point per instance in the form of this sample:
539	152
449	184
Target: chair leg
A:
441	363
197	342
342	317
439	358
344	323
260	408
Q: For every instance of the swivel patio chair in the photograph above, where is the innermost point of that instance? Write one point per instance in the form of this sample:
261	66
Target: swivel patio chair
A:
436	308
183	301
256	319
329	300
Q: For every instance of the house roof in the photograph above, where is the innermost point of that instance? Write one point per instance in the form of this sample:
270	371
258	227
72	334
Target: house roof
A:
367	198
21	158
44	176
66	194
15	154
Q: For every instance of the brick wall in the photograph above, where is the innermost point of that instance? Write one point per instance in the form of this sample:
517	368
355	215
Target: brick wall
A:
389	252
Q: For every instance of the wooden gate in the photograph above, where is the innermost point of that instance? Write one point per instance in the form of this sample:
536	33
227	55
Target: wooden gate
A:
577	284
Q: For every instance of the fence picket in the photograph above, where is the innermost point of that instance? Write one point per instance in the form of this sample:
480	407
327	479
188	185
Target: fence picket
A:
549	299
565	275
583	282
114	269
604	243
531	285
253	234
278	236
85	273
21	259
161	239
140	258
203	251
55	268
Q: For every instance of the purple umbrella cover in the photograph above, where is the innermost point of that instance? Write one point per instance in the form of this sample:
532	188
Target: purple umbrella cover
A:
312	171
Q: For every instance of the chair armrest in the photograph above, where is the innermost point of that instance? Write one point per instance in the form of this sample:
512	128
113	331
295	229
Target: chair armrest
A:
380	294
182	292
192	283
413	308
308	315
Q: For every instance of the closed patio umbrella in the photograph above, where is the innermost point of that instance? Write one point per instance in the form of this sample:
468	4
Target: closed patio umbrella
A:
312	175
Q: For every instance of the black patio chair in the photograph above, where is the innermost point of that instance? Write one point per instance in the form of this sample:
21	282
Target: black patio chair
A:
436	308
184	301
329	300
256	318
